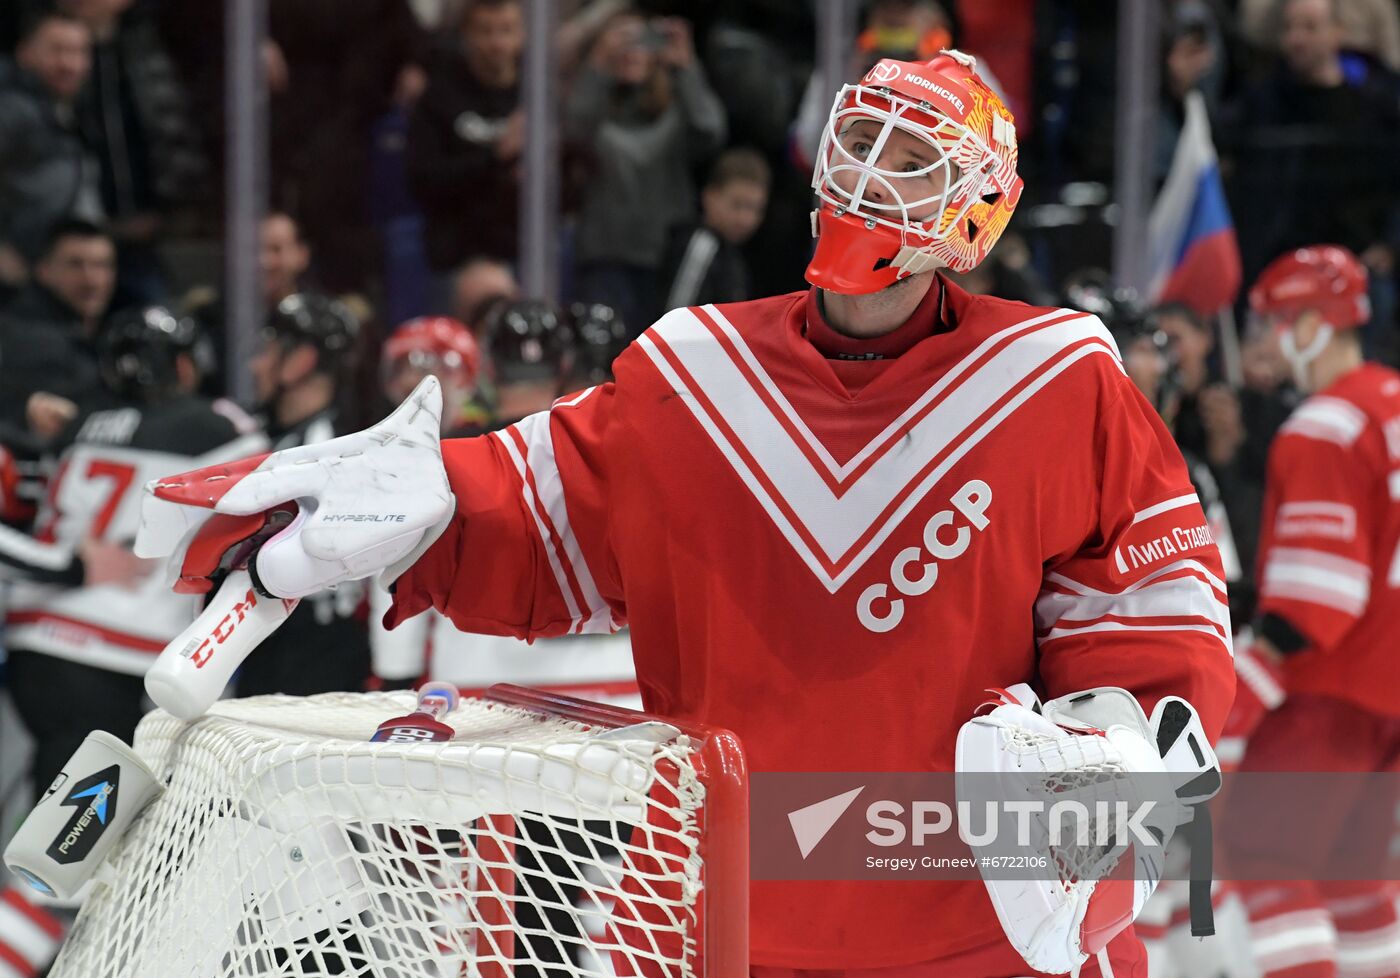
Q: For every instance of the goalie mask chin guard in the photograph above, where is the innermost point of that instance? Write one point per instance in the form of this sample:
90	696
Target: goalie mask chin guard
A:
949	202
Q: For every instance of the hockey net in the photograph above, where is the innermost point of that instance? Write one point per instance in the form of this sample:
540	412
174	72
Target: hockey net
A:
550	837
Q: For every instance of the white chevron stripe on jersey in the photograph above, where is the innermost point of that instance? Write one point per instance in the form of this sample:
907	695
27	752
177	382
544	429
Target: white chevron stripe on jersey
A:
894	429
549	489
1166	506
575	399
552	551
1118	626
1168	600
835	516
1173	599
531	447
542	463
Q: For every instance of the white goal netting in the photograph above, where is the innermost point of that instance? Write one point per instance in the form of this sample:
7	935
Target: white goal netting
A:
286	844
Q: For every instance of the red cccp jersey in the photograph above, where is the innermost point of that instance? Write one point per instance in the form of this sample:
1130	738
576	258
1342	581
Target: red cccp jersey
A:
1329	554
835	557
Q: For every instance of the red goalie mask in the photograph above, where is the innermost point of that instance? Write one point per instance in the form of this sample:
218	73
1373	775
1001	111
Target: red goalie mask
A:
916	171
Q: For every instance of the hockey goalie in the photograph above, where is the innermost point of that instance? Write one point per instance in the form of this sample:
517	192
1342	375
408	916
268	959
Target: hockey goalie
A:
831	519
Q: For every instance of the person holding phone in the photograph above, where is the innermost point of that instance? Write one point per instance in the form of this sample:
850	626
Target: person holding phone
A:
643	109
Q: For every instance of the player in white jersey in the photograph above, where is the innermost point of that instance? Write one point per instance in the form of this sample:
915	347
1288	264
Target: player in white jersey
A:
80	628
300	370
85	617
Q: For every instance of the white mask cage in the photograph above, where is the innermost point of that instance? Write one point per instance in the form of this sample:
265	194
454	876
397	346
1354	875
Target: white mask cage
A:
963	161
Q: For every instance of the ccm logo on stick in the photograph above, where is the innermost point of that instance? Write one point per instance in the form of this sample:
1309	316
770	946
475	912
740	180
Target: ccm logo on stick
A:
911	575
200	653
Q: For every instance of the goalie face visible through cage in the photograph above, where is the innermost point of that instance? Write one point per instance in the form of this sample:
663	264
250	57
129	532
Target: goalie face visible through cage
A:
885	162
523	847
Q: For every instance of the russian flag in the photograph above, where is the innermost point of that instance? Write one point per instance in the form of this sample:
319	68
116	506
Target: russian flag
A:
1193	256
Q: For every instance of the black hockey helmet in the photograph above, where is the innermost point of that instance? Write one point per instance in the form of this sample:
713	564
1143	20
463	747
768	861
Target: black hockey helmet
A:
316	320
528	340
138	348
600	336
1120	309
1146	351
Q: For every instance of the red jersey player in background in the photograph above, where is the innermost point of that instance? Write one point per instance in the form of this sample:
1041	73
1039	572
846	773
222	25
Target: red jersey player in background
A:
1325	646
831	519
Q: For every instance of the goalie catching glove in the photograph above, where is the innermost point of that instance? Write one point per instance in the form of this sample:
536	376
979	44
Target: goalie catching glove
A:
290	523
1091	747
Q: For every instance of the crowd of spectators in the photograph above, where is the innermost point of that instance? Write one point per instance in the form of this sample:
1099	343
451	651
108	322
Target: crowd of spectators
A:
686	134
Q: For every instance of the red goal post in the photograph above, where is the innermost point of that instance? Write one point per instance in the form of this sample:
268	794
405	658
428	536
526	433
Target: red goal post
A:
725	837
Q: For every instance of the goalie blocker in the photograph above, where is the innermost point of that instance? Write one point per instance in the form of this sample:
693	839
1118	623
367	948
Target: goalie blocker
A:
278	527
1093	746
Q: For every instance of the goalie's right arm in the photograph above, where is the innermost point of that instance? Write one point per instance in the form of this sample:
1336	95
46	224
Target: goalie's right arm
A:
527	553
479	528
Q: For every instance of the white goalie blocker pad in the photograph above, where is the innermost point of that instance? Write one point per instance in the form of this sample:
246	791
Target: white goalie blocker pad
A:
367	503
1074	748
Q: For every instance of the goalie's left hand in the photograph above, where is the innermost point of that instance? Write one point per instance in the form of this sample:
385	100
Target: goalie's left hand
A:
1099	741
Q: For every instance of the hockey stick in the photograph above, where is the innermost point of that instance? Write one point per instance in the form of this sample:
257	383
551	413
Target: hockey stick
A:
192	671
